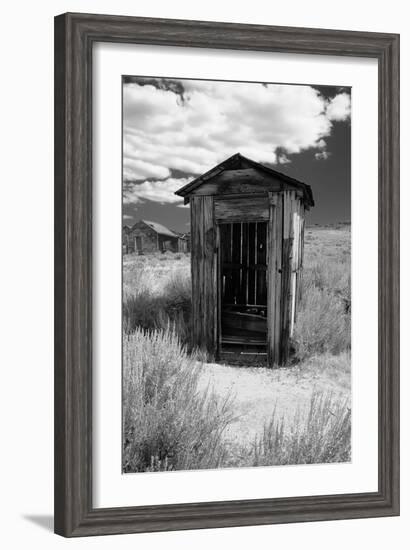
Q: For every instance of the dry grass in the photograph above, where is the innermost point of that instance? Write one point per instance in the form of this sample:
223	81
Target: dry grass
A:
172	422
180	415
168	423
323	316
156	306
152	271
320	436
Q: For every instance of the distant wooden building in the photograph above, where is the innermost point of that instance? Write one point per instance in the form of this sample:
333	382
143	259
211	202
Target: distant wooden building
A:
145	237
125	231
247	232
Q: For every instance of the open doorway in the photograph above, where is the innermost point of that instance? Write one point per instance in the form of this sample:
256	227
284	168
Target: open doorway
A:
138	244
243	286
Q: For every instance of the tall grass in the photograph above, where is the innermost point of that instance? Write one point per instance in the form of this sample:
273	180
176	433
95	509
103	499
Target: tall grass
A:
322	325
168	423
323	318
151	310
322	436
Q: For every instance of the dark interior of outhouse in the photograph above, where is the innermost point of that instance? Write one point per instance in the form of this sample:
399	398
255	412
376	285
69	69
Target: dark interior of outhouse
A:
243	284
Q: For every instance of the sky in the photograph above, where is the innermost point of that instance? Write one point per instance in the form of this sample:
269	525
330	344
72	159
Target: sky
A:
175	130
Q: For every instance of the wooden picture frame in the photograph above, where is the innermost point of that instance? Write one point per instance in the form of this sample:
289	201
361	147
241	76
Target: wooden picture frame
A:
75	35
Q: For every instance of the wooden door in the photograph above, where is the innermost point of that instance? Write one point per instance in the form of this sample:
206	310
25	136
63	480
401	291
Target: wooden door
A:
243	283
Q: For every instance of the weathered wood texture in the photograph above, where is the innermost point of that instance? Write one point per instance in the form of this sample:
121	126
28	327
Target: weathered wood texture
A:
291	267
239	181
274	252
239	208
239	174
260	256
203	270
285	254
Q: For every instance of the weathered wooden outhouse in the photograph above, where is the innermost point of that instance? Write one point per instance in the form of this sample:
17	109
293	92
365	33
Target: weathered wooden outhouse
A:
247	227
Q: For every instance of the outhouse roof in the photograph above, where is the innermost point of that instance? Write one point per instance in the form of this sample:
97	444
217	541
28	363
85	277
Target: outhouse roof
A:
239	162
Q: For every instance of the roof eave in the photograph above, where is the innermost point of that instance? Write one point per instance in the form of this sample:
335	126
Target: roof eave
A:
186	190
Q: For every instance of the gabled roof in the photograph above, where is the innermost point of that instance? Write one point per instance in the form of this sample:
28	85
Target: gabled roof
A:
238	162
160	229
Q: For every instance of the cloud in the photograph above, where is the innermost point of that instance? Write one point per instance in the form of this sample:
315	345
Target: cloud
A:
339	108
162	191
195	129
139	169
322	155
282	159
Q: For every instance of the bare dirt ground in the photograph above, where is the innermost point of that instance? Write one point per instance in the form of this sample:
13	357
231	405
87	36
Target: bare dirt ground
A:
256	391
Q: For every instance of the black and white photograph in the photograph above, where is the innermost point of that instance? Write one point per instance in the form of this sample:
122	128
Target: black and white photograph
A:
236	249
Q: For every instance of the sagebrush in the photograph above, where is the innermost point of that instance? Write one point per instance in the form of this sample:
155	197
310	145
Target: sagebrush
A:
320	436
168	422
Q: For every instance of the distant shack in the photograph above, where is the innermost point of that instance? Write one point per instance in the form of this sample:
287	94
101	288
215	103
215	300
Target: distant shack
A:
146	237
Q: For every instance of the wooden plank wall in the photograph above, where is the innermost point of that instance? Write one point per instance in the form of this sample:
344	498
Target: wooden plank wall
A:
204	275
241	208
285	262
274	278
238	182
292	247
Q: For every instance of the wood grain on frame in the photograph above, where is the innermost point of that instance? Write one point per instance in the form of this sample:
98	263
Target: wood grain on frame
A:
75	35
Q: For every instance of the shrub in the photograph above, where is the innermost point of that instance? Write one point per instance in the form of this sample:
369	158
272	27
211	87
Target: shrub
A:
169	423
323	316
171	305
322	436
331	276
322	325
177	291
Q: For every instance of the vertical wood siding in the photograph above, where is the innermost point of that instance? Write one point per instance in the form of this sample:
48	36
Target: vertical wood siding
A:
292	248
247	262
203	265
274	251
285	259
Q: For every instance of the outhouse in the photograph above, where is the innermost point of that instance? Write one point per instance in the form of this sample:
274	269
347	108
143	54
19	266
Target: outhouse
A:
247	231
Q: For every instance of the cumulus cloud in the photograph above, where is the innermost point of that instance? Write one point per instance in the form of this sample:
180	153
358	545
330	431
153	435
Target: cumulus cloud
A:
339	107
162	191
133	167
195	129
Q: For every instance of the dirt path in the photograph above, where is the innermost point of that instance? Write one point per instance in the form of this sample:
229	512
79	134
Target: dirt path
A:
256	391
